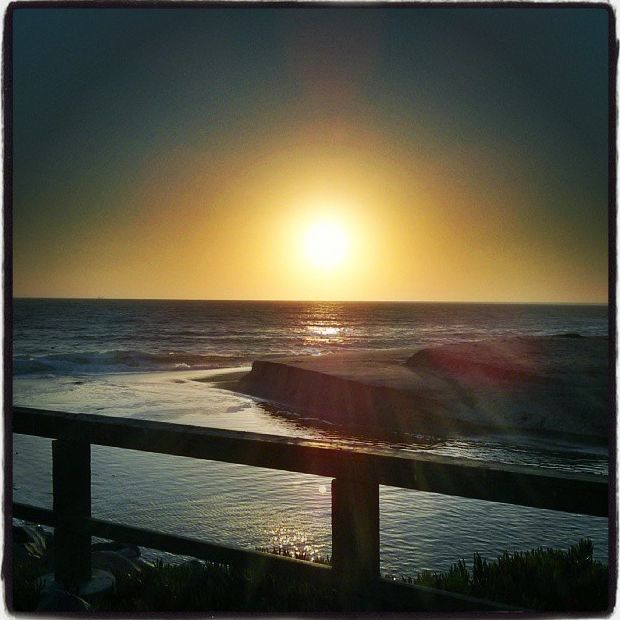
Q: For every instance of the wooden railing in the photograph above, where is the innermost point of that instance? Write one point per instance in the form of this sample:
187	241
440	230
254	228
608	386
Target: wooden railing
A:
357	474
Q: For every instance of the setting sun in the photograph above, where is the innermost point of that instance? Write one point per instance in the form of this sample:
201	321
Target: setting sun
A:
326	244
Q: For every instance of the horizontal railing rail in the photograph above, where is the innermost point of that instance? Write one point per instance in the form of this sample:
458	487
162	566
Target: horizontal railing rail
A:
513	484
357	475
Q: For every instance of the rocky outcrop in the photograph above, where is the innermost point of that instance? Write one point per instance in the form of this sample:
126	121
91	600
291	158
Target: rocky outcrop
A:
547	384
550	384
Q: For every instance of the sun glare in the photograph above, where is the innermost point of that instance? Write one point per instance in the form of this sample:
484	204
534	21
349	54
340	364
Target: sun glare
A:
326	244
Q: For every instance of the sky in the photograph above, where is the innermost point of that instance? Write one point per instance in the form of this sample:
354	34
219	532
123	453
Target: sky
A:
461	153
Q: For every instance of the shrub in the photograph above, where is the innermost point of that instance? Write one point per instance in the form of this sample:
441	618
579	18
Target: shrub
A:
543	579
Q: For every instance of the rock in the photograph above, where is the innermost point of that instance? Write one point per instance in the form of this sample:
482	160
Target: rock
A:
60	600
559	382
100	584
115	563
131	552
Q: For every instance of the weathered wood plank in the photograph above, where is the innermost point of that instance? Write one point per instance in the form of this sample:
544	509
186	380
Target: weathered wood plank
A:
229	555
355	529
355	542
496	482
395	594
246	559
34	514
72	504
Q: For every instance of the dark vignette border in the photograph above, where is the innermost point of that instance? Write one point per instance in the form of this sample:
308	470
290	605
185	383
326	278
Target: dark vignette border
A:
7	265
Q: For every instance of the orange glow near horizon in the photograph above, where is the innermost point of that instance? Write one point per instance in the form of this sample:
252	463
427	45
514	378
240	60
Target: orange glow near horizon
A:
356	220
338	154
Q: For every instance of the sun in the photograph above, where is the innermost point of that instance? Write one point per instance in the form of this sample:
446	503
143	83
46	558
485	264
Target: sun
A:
326	244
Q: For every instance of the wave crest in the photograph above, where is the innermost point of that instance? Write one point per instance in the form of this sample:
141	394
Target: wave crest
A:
120	361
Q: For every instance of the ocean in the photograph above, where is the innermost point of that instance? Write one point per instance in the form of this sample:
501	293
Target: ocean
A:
140	358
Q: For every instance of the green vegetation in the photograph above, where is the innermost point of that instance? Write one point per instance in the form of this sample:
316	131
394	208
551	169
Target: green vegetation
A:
543	580
199	586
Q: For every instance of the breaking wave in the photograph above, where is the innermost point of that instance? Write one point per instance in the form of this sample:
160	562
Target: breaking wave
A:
121	361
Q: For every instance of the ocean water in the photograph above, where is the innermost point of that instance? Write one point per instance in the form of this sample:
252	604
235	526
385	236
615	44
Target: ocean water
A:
142	358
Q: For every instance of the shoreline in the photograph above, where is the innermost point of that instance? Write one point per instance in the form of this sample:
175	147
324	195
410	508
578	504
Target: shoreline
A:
404	392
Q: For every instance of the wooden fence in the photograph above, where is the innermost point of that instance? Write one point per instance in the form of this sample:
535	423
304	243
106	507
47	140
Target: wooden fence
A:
356	475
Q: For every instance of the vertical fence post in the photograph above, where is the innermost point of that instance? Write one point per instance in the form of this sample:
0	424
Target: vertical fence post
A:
72	503
355	541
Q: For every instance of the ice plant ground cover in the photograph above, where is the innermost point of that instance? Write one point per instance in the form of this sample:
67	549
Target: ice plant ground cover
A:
542	579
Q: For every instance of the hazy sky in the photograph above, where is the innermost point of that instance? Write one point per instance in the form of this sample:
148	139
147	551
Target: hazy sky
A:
184	153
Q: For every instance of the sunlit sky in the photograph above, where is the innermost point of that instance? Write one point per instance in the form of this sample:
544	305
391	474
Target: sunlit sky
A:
451	154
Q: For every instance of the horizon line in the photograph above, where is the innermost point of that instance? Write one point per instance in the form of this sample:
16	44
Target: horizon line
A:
338	301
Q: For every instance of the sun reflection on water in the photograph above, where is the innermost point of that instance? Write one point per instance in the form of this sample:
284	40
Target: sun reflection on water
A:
324	334
294	543
324	330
